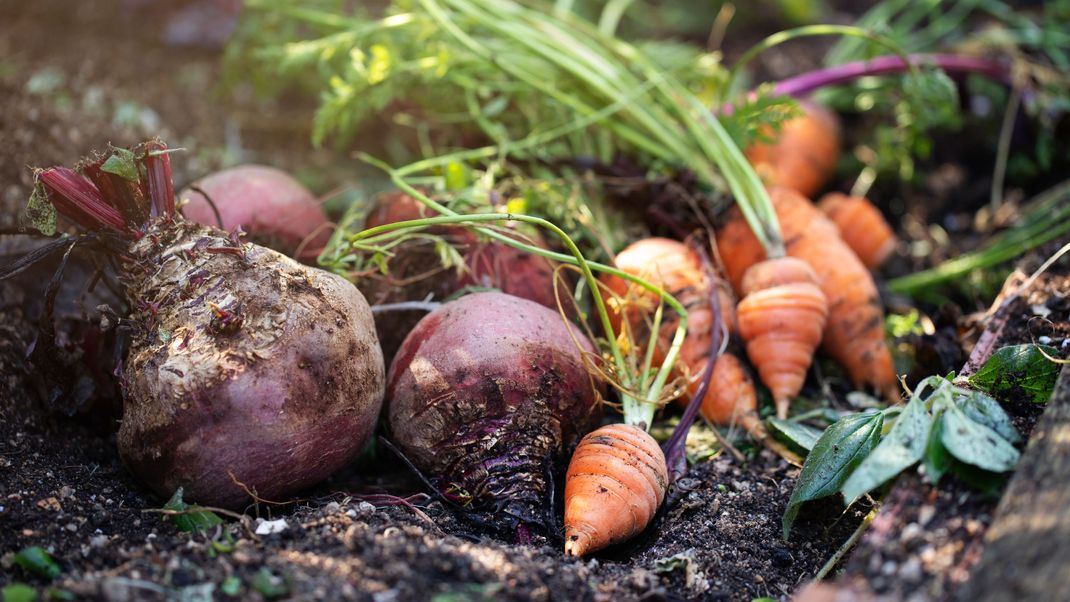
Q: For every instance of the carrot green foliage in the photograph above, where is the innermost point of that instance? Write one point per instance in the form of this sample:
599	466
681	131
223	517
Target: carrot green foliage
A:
496	70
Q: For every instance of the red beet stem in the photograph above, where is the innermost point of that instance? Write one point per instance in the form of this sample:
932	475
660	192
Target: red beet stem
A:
121	193
158	167
76	197
804	84
674	448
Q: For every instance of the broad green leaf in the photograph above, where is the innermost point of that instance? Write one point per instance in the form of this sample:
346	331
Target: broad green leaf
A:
36	560
18	592
803	437
840	449
193	521
121	163
41	213
989	484
984	410
901	448
1019	367
937	461
975	443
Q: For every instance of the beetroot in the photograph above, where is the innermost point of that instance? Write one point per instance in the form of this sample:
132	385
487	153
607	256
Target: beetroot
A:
243	366
486	396
275	209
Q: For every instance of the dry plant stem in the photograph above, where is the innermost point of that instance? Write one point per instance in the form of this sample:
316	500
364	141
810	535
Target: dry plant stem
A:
846	547
1003	150
986	344
406	306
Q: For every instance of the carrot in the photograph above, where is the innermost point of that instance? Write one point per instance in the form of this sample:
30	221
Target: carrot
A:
861	226
615	482
672	266
781	317
854	333
804	154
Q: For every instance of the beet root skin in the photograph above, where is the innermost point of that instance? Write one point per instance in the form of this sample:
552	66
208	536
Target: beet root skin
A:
487	395
244	367
274	208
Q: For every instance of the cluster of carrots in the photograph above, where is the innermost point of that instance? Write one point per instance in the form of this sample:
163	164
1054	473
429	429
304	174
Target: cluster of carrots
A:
821	293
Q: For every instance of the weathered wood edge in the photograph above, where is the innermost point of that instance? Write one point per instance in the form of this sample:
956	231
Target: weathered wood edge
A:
1027	548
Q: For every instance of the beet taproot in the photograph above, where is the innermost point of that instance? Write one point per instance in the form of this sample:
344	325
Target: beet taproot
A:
245	372
487	396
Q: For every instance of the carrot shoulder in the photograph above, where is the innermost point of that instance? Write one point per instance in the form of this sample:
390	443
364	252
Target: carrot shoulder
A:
854	334
615	482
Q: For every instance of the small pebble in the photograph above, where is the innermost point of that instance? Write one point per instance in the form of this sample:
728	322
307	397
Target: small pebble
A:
269	527
1044	340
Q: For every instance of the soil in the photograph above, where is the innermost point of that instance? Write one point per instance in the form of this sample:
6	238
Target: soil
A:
63	488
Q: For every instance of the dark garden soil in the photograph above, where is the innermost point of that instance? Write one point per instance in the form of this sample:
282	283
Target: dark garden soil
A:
74	76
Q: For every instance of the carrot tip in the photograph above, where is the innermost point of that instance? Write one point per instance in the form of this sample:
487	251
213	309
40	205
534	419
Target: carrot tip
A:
782	406
576	544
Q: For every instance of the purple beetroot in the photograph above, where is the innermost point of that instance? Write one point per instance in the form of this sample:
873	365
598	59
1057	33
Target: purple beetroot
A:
487	396
245	371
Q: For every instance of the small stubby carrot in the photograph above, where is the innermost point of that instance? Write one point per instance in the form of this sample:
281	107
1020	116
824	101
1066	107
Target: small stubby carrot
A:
615	483
781	318
861	225
804	154
672	266
854	333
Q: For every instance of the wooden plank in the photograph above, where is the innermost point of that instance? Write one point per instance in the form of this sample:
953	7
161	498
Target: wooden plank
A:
1028	546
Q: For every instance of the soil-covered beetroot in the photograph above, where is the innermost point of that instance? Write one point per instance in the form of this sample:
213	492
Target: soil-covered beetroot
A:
245	371
486	396
275	209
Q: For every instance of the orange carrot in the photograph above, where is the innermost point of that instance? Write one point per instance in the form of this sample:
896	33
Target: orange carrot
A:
674	267
804	154
781	318
615	482
861	226
854	334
